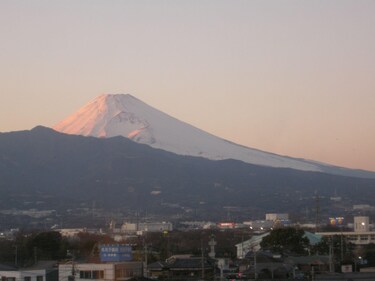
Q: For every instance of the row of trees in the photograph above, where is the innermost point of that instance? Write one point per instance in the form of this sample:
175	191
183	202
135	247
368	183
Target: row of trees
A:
51	245
26	247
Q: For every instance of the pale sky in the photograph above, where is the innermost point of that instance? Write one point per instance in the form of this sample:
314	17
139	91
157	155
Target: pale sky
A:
295	78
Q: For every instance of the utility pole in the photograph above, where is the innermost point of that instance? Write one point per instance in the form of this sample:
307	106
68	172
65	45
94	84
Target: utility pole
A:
317	219
255	262
72	277
340	221
342	246
145	250
331	255
202	259
255	265
16	256
35	256
146	259
242	250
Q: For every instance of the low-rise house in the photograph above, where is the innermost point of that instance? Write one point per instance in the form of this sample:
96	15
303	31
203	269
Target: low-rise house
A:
264	264
184	267
41	271
310	264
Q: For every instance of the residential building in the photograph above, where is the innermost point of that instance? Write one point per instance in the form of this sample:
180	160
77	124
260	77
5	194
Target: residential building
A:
42	271
183	267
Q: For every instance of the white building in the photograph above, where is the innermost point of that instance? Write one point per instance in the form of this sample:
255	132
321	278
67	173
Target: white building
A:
23	275
146	226
42	271
155	226
277	217
71	232
361	224
253	244
363	207
117	271
129	228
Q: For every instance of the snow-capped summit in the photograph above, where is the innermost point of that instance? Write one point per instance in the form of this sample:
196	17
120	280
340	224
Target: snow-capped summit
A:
108	116
124	115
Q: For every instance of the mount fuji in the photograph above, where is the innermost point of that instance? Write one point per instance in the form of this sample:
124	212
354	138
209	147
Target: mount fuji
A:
124	115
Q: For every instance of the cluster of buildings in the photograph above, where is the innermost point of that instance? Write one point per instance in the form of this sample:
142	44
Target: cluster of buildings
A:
361	234
116	262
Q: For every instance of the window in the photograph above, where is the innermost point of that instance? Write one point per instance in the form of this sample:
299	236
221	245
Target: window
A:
39	278
124	272
84	274
27	278
98	274
352	238
119	273
364	237
91	274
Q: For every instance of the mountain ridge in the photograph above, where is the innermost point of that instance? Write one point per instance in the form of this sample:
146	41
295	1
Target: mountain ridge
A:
119	173
112	115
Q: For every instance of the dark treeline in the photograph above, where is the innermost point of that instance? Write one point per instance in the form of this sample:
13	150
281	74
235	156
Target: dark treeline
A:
27	247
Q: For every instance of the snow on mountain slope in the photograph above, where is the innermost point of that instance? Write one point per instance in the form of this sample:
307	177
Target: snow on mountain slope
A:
124	115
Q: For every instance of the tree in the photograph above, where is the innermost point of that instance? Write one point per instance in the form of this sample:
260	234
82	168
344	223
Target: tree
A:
49	245
369	254
341	249
87	244
286	240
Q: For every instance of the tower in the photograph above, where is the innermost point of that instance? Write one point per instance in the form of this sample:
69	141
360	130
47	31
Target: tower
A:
212	243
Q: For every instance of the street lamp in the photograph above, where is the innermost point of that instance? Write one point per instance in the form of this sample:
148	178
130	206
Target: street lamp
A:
357	261
255	262
15	255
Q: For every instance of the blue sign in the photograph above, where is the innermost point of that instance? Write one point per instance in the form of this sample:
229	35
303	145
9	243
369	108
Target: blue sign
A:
115	253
